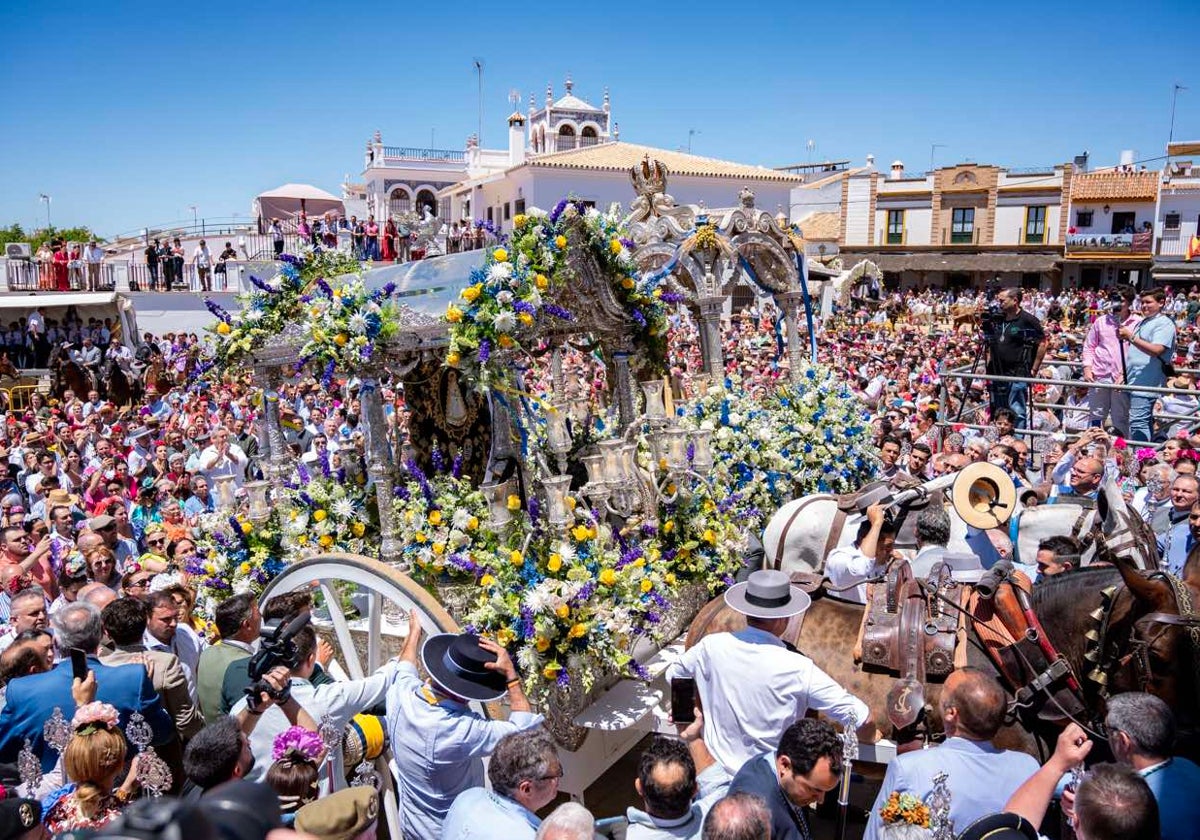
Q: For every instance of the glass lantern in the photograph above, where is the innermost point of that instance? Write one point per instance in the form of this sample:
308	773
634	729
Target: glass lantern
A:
496	493
224	490
259	509
557	489
594	464
558	438
629	465
652	390
614	473
702	457
677	441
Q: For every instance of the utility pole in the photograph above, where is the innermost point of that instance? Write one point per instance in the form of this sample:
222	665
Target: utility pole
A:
1174	96
195	221
46	198
479	74
933	147
691	133
809	147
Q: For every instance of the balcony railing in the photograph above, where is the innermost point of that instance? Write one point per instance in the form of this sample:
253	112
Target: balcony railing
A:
1115	243
417	153
1172	244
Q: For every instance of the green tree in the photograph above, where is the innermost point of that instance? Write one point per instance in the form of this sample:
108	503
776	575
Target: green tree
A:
16	233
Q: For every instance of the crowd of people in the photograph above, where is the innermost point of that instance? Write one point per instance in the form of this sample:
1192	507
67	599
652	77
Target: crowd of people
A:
397	239
100	506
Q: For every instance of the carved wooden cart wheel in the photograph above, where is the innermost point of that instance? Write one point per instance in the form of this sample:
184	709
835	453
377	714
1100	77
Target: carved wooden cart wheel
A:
360	642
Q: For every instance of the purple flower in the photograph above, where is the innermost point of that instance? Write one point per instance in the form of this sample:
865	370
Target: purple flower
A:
557	211
557	311
534	508
524	306
327	377
324	286
439	463
639	670
323	456
302	472
640	318
671	297
290	259
217	310
456	467
563	679
297	739
485	351
261	285
401	493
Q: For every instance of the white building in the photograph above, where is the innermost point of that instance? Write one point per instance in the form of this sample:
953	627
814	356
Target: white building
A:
1178	216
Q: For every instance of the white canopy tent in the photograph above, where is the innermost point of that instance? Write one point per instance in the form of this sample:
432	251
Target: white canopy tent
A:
288	201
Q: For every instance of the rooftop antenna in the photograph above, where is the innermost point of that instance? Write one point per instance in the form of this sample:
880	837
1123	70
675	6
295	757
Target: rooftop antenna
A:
1174	96
933	147
692	132
810	146
479	73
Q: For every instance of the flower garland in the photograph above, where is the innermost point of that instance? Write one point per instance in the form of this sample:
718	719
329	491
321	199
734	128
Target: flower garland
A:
512	294
341	321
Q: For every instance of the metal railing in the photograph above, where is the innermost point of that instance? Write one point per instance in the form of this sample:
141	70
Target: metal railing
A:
418	153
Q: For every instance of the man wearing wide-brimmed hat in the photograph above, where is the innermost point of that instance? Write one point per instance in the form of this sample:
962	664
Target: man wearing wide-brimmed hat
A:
751	685
438	741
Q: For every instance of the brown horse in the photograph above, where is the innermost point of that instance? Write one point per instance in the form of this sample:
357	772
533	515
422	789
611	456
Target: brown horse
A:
1144	648
119	387
66	375
156	378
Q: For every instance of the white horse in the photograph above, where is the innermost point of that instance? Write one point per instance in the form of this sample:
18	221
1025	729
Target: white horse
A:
798	537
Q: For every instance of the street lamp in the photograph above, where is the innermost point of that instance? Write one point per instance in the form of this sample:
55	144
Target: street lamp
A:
46	198
195	223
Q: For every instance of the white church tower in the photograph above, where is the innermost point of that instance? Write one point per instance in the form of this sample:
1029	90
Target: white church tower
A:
567	123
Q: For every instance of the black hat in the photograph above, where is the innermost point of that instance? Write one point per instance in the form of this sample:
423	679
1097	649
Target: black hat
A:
18	816
456	663
242	809
1004	826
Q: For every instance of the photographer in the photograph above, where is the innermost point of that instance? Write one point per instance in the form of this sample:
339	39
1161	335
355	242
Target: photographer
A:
1103	362
1016	344
1148	361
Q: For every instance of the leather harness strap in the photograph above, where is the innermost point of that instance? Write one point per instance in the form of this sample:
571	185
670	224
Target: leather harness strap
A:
777	560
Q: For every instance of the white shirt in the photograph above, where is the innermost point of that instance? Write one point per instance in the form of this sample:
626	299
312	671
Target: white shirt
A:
187	647
35	324
847	566
752	688
341	701
93	254
233	463
202	257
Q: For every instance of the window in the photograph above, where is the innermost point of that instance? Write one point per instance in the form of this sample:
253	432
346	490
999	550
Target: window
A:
519	206
1035	225
1083	218
491	214
962	225
895	227
1171	221
399	203
507	211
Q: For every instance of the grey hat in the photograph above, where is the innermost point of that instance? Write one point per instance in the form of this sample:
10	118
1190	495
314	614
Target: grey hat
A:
768	594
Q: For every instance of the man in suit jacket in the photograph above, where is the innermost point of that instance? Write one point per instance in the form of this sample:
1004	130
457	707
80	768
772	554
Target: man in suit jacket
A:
239	621
31	700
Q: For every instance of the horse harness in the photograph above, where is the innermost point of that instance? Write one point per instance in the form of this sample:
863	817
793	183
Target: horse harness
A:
1187	617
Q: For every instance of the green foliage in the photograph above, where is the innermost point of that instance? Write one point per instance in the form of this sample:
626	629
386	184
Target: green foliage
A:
36	238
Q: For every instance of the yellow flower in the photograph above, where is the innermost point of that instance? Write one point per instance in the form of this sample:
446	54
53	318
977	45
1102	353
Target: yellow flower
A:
554	563
550	672
627	283
487	580
505	342
581	532
472	523
608	577
325	541
614	245
453	314
563	611
709	505
500	255
358	529
453	359
470	293
542	644
514	502
519	220
302	539
420	537
669	577
439	548
340	339
244	569
560	241
223	328
247	527
504	636
541	282
577	630
710	536
571	502
435	517
658	293
516	558
319	515
525	318
647	584
668	526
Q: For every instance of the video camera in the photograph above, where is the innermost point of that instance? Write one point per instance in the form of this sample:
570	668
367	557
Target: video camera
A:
278	648
991	318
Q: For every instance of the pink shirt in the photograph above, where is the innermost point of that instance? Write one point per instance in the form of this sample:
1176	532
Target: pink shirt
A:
1102	347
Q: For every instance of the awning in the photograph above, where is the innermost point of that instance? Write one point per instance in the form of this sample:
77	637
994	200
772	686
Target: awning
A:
942	261
287	201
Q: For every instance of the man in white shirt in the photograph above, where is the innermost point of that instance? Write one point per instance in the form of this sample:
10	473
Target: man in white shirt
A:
164	632
222	458
36	327
88	358
202	259
849	567
93	256
751	686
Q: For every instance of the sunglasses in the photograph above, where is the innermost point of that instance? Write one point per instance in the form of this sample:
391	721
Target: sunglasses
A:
159	541
139	584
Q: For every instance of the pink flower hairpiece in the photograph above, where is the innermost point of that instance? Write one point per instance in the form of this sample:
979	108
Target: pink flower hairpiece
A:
1188	454
1119	443
94	716
297	739
1146	454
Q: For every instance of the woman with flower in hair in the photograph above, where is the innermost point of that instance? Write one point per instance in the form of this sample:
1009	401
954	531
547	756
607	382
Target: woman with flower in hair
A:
298	753
93	758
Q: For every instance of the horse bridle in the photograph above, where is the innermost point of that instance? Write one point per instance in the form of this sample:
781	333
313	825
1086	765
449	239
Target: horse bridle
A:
1185	617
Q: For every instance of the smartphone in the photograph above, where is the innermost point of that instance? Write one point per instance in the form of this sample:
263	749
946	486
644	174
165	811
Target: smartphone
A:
683	700
79	664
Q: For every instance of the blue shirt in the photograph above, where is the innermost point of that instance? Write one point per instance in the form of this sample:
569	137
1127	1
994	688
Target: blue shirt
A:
480	814
1174	545
1174	784
981	778
438	750
1140	367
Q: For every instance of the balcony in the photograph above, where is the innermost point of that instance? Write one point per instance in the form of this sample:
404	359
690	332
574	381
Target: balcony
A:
1121	244
415	153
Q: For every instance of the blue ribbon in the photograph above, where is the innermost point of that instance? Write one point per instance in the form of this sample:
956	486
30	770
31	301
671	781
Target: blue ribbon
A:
808	313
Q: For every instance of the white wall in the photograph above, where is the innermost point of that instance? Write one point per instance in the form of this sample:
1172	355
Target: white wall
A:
918	223
1102	222
805	200
1187	205
1010	221
858	211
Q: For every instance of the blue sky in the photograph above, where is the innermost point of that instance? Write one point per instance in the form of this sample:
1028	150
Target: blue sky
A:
128	113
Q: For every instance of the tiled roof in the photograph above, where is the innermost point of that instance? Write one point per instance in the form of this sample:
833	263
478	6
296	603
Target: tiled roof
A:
570	102
619	157
1113	185
821	225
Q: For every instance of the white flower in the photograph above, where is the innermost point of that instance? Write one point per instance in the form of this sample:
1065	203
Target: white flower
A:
505	322
461	518
343	509
252	314
242	586
505	297
358	323
565	550
500	271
